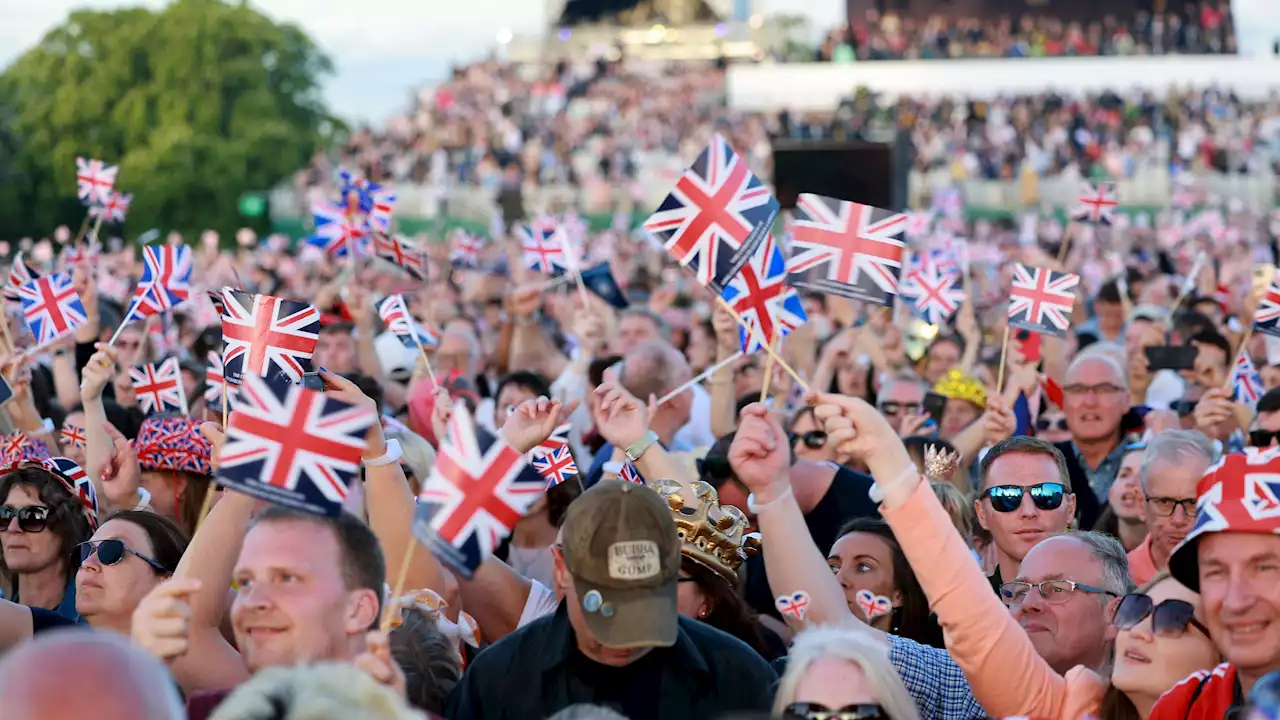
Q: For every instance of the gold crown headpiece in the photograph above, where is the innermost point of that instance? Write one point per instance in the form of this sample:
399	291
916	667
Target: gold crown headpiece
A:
940	463
712	535
958	386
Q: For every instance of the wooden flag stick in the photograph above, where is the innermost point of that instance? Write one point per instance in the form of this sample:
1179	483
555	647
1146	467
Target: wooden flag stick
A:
83	227
1004	355
768	368
388	607
97	225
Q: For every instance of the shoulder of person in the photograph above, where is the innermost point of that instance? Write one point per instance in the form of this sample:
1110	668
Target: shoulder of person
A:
1177	701
724	654
511	648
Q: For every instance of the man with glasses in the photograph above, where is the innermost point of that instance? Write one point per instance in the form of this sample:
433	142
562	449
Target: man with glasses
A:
900	400
1024	497
1095	401
1172	464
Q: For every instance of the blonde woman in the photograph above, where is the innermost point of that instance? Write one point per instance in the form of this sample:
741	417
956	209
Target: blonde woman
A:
418	457
832	671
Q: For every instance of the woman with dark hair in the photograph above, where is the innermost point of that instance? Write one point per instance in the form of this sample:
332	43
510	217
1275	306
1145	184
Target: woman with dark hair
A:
131	553
713	545
175	472
866	556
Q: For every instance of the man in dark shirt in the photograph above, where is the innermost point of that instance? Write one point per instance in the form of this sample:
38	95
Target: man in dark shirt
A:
617	639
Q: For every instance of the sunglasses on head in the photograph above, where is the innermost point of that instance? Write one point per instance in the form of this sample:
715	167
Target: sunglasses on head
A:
1045	424
112	551
891	407
32	518
1007	498
818	711
1263	438
1169	619
813	439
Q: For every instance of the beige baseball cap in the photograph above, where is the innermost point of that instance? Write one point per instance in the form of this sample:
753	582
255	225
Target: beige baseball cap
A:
620	546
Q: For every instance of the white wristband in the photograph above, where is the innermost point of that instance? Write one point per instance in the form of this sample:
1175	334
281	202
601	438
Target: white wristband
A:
393	454
755	509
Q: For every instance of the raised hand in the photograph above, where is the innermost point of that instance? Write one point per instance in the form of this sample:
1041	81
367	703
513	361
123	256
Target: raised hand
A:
728	337
162	621
215	435
533	421
911	424
998	422
620	417
860	431
377	661
761	453
100	370
121	477
441	411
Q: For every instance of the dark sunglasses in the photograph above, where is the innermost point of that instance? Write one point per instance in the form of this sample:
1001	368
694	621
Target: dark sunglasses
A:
1169	619
1183	407
111	551
891	407
813	439
1007	498
1263	438
32	518
1045	424
817	711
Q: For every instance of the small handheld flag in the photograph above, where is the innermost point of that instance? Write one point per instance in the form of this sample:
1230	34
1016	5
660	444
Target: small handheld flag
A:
337	233
1096	205
543	249
402	252
846	249
94	180
51	307
395	315
600	281
1246	383
556	467
935	295
213	382
760	296
1267	319
114	209
1042	300
265	336
158	388
165	283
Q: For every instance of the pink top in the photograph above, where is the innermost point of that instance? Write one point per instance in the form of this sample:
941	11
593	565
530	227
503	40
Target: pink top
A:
1007	675
1142	565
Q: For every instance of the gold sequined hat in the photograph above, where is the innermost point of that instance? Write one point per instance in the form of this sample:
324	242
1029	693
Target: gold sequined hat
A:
958	386
712	535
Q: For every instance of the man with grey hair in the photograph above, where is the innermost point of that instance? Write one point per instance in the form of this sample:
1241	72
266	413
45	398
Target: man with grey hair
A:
638	325
113	680
1172	466
1095	401
900	402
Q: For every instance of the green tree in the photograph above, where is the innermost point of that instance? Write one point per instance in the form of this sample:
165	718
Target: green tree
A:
197	103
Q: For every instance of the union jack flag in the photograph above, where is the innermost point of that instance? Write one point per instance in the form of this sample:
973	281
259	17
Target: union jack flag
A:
1267	319
94	180
293	446
214	382
1042	300
395	315
76	481
71	436
264	336
165	283
544	248
846	249
51	307
466	249
759	294
478	490
219	304
716	216
559	438
20	273
114	209
401	251
1096	205
73	255
630	474
337	231
158	388
936	295
1246	383
556	467
379	214
1240	493
919	223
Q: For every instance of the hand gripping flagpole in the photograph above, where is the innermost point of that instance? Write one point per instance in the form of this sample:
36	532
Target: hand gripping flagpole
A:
755	332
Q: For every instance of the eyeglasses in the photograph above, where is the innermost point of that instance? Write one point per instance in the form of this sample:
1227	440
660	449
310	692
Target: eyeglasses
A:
1103	389
1169	619
817	711
32	518
891	407
1045	424
111	551
1184	407
1164	506
1054	592
1263	438
813	439
1007	498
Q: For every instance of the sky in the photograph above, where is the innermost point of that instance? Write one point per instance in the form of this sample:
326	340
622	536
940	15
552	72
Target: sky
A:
384	49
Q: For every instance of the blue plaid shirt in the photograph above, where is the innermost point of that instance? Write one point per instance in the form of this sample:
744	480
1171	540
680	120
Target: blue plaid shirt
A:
934	681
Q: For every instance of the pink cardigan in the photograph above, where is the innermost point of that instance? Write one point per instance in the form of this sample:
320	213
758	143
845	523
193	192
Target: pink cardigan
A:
1007	675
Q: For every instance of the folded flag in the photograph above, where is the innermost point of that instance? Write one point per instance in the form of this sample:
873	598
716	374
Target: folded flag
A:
478	490
1041	300
265	336
759	294
630	474
337	231
935	295
94	180
465	249
1267	318
114	209
395	315
51	307
20	273
716	216
600	280
559	438
165	283
402	252
379	214
219	303
846	249
543	248
1246	383
556	467
158	387
1096	205
293	446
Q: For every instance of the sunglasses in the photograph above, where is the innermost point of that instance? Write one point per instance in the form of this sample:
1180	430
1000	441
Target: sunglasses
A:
817	711
1007	498
1263	438
891	407
1184	407
1169	619
111	551
813	439
32	519
1045	424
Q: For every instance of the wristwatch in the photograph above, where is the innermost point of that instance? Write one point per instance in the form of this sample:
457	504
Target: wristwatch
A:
639	447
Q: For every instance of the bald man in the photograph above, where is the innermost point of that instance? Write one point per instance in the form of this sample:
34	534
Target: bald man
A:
108	679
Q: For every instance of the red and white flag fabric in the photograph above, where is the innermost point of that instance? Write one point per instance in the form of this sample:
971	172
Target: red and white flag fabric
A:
1267	318
716	216
1097	205
478	490
559	438
51	307
759	294
338	231
919	224
935	294
846	249
293	446
1246	383
114	209
543	248
395	315
158	387
165	283
1041	300
556	467
95	180
401	252
20	273
264	336
214	382
383	206
465	249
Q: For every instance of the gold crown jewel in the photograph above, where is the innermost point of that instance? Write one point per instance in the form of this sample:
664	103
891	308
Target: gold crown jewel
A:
711	534
939	463
958	386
